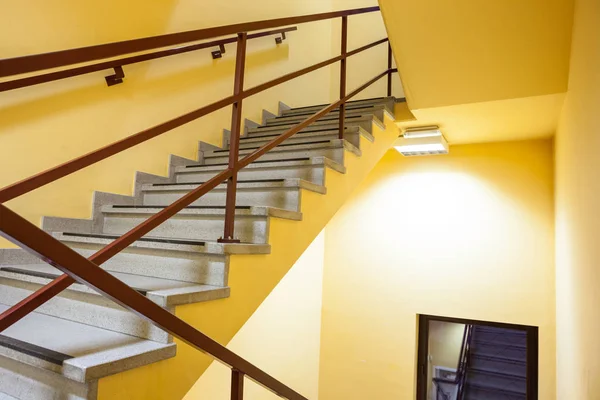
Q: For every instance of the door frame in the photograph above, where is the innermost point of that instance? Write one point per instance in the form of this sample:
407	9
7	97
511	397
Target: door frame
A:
423	350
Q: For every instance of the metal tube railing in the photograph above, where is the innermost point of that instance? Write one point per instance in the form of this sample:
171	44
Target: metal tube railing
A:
87	271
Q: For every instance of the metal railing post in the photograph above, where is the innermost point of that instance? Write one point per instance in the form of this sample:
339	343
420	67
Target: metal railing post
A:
237	385
344	52
234	141
389	78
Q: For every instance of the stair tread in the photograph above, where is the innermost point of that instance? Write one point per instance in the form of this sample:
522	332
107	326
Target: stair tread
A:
67	342
278	146
322	131
319	123
498	343
309	162
495	388
334	144
143	284
374	99
498	358
295	183
493	372
212	211
332	115
173	244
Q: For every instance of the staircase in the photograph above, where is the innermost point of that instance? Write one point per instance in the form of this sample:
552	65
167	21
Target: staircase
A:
497	368
68	345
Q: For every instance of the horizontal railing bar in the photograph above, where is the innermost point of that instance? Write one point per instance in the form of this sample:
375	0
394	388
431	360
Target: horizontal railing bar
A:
27	235
275	142
38	62
54	76
43	178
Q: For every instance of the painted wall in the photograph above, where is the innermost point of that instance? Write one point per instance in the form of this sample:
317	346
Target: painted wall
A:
445	342
484	71
467	235
577	218
45	125
282	337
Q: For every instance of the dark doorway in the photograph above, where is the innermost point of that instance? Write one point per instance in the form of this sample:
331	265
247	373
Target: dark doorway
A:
461	359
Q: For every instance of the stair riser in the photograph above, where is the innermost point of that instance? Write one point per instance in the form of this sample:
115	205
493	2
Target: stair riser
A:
365	123
247	229
502	338
475	393
253	143
296	119
86	308
209	269
499	366
26	382
309	173
496	381
335	154
285	198
504	351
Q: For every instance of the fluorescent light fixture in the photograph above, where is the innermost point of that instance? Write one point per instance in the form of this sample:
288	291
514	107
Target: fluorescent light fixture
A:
422	142
422	131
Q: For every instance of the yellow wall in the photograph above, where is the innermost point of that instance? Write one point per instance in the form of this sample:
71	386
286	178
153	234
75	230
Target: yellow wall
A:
577	219
444	342
282	337
45	125
467	235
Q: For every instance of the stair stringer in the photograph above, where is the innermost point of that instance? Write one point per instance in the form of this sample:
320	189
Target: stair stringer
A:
251	279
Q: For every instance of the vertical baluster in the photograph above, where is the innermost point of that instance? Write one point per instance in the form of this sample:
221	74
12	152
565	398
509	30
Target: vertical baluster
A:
343	75
237	385
234	141
389	77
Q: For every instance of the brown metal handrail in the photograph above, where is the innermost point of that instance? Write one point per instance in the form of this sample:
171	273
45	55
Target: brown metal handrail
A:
87	271
118	64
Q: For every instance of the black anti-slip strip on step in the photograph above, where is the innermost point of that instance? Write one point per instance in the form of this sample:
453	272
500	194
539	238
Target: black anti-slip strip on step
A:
187	208
319	120
348	102
490	372
200	183
47	275
255	162
335	110
281	145
332	130
143	239
36	351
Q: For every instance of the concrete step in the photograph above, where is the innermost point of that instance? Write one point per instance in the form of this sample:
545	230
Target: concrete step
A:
498	364
388	101
497	380
76	351
363	121
251	223
352	135
332	149
80	304
476	392
377	110
500	350
309	169
501	336
279	193
197	262
25	382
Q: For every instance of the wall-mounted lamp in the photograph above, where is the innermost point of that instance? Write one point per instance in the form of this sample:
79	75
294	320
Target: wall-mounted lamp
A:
422	141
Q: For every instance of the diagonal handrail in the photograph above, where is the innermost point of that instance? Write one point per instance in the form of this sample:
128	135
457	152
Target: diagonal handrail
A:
39	62
19	230
36	181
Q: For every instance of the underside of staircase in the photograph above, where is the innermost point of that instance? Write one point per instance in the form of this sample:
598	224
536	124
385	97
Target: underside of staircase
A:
81	345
